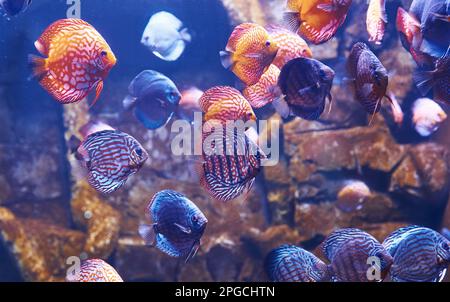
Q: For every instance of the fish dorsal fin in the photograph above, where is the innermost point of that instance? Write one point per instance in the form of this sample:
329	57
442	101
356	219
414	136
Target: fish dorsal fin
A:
237	33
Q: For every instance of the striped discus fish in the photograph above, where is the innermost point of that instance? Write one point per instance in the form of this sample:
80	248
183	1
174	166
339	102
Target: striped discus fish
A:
177	224
111	157
348	251
289	263
420	254
77	60
266	90
95	270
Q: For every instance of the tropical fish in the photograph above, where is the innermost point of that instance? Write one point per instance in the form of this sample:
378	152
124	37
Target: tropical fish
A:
376	20
224	103
14	7
348	251
427	116
370	78
77	59
109	155
316	20
290	45
289	263
249	52
351	195
177	224
95	270
435	32
165	36
437	79
153	97
266	90
419	254
189	103
305	85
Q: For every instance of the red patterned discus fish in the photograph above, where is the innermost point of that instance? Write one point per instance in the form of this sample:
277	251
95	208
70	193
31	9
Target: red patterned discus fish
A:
110	156
95	270
266	90
77	60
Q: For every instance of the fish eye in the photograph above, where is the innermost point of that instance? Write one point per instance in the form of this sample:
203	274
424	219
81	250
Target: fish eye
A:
139	151
268	43
104	53
195	219
445	246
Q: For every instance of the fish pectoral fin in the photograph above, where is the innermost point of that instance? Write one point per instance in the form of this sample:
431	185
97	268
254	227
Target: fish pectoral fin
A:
182	228
148	233
424	81
193	251
38	65
327	7
98	91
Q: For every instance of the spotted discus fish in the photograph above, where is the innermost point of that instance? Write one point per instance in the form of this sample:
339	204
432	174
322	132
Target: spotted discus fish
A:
348	251
290	45
266	90
77	60
376	20
420	254
177	224
316	20
110	156
249	52
289	263
95	270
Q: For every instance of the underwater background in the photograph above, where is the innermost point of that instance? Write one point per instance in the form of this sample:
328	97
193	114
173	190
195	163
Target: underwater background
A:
46	215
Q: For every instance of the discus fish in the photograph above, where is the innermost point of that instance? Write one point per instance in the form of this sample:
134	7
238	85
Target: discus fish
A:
153	98
165	36
95	270
427	116
266	90
316	20
110	156
348	251
14	7
177	224
419	254
189	103
376	20
77	60
289	263
351	195
249	52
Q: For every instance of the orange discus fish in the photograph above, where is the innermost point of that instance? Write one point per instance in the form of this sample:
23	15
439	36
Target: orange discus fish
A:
266	90
316	20
249	52
77	59
376	20
291	45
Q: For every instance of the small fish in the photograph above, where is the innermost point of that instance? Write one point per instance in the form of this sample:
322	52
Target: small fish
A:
165	36
177	224
305	85
291	45
77	60
14	7
348	251
289	263
189	103
419	254
266	90
224	104
109	155
95	270
370	78
249	52
376	20
153	97
437	79
427	116
351	195
316	20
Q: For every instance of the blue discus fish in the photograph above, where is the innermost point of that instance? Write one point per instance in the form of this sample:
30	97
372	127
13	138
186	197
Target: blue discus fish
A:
348	251
178	224
289	263
420	254
153	98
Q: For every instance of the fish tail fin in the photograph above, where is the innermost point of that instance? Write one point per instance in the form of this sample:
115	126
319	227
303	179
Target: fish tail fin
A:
292	21
38	65
129	102
98	91
185	35
147	232
226	58
424	81
281	107
73	144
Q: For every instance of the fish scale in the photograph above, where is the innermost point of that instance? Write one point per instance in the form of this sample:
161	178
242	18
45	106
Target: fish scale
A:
97	270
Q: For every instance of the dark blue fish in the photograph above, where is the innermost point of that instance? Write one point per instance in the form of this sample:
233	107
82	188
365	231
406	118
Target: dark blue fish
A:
289	263
153	97
14	7
348	251
420	254
178	224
